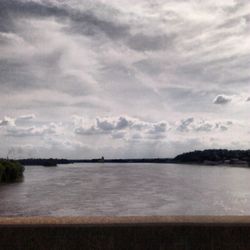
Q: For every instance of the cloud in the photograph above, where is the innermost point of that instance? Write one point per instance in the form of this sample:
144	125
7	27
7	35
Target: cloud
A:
143	42
49	148
22	151
159	127
185	124
26	117
114	123
199	125
7	121
31	131
204	127
26	65
85	21
222	99
124	127
162	63
22	126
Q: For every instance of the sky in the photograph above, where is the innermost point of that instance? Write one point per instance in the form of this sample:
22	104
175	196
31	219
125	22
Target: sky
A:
123	79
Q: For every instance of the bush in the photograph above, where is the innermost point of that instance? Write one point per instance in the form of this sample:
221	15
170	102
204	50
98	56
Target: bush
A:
10	171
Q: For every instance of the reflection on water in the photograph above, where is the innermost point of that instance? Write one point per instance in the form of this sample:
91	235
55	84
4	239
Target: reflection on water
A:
128	189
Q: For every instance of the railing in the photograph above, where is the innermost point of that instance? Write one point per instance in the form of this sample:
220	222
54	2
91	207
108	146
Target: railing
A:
128	233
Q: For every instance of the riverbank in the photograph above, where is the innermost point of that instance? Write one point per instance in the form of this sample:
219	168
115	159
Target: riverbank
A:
209	157
10	171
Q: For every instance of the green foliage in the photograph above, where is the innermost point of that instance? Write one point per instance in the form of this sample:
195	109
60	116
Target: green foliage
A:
10	170
213	155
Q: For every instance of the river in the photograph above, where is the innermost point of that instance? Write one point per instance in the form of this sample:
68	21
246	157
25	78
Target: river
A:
105	189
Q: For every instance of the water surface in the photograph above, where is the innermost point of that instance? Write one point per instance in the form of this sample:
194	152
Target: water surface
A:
128	189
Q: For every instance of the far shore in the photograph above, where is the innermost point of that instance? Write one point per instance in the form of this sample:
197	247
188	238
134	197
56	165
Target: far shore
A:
209	157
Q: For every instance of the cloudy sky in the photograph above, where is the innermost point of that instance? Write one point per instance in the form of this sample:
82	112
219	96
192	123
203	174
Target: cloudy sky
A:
146	78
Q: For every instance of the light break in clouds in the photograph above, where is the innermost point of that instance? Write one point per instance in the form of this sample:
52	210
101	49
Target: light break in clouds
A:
83	79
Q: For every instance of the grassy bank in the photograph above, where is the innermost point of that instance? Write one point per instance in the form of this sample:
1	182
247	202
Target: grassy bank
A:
10	171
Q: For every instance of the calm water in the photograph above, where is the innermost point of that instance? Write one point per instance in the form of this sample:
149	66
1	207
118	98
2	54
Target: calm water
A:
128	189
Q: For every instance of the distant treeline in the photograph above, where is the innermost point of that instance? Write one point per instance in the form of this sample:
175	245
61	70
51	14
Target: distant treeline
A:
218	156
210	157
53	162
10	170
44	162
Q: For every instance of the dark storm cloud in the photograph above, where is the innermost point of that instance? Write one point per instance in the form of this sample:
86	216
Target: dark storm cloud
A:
89	24
12	9
85	22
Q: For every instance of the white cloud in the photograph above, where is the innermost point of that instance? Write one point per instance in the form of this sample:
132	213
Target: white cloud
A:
30	131
124	127
199	125
21	127
222	99
185	124
26	117
7	121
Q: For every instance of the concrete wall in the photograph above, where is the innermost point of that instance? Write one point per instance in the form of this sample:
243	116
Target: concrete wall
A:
109	233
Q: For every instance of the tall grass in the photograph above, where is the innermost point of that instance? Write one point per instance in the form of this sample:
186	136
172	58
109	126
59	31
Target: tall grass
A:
10	170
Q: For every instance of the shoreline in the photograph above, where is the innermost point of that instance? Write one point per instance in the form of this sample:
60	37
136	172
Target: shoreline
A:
209	157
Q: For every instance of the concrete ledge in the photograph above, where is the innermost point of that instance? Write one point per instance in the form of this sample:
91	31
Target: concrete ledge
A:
131	220
126	233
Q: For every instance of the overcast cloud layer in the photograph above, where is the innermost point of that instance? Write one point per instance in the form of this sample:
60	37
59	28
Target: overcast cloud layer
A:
84	78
